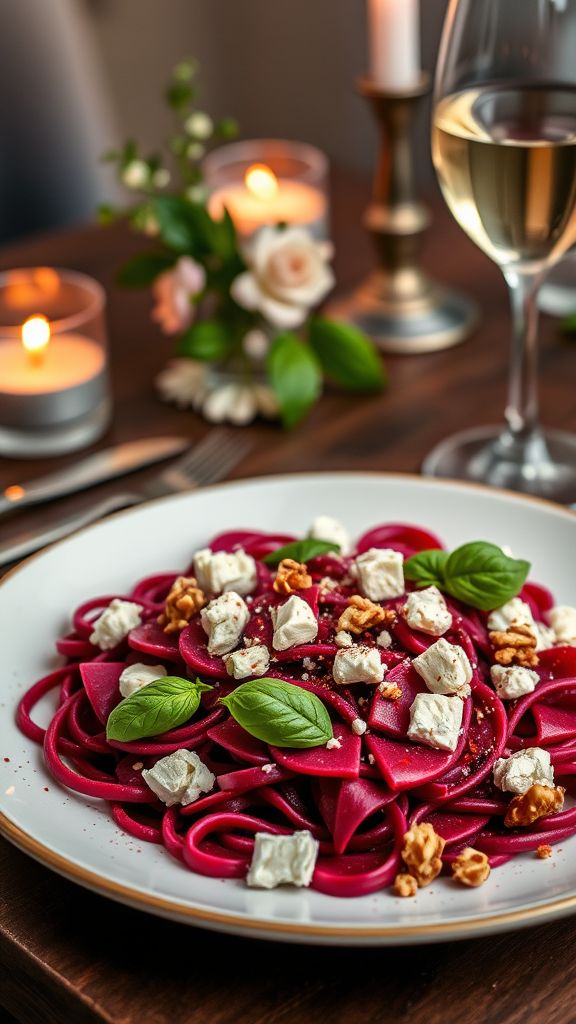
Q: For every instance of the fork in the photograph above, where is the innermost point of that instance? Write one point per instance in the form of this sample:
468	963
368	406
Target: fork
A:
209	461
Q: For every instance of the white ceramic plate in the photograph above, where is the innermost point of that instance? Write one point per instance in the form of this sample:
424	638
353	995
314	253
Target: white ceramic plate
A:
75	835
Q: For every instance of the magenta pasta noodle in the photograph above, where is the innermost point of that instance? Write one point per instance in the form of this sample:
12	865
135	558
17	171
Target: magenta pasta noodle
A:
404	746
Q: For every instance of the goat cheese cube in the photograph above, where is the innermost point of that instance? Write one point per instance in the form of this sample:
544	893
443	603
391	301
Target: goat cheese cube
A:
514	613
525	768
329	529
358	664
224	620
248	661
380	573
134	677
445	668
221	571
563	621
343	639
114	624
435	720
426	610
282	860
384	639
359	726
179	778
513	681
294	623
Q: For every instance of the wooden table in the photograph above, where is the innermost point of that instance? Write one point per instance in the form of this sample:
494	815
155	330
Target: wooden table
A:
67	955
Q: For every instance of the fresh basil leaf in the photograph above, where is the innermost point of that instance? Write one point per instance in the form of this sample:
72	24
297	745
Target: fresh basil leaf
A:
347	355
157	707
142	269
279	713
301	550
426	569
480	574
207	340
295	377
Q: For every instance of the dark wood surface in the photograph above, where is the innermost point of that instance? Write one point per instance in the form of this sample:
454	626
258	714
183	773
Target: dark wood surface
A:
67	955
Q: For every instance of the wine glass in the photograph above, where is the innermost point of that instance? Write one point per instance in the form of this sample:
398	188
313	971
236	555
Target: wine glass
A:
504	147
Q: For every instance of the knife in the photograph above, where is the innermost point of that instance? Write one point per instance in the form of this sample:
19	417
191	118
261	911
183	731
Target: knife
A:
104	465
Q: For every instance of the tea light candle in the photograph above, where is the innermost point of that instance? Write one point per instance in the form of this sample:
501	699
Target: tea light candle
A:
394	43
53	376
266	182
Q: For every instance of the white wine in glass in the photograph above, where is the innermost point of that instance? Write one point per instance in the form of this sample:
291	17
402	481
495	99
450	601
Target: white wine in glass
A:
504	147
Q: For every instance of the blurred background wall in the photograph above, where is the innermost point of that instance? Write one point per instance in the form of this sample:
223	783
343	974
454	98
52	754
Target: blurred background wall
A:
77	76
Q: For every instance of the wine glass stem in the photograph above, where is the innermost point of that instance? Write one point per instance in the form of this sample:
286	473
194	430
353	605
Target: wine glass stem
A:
522	413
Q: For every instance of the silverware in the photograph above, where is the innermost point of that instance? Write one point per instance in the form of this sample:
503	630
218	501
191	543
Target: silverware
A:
209	461
104	465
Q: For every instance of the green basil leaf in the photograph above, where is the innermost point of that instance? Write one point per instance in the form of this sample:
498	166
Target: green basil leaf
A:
142	269
157	707
207	340
301	550
426	569
480	574
295	377
347	355
279	713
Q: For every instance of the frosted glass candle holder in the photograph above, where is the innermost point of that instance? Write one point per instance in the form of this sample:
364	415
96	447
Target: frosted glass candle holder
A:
54	393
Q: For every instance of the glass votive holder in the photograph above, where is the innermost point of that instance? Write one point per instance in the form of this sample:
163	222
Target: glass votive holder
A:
54	393
269	181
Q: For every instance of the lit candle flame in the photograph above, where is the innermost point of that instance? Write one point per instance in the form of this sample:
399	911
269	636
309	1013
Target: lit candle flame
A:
261	181
35	337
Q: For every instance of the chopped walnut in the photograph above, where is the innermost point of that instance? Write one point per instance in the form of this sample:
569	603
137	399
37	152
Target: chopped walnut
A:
544	851
291	576
535	803
471	867
362	614
515	646
390	691
184	600
405	885
422	853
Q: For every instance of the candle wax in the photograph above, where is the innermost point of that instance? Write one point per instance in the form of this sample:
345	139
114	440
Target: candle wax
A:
295	202
67	362
394	43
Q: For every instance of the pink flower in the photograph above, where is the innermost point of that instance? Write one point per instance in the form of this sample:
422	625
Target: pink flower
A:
174	291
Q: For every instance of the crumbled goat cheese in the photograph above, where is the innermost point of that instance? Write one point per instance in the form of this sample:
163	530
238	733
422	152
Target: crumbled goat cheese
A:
359	726
114	624
223	620
514	613
435	720
358	664
248	661
134	677
179	778
333	744
445	668
426	610
281	860
219	572
380	573
384	639
329	529
294	623
525	768
343	639
513	681
563	621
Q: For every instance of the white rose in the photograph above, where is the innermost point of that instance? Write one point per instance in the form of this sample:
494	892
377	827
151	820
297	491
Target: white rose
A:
199	125
288	275
136	174
173	292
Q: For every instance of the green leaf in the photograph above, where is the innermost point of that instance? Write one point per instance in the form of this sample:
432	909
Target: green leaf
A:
295	377
480	574
177	223
280	713
151	711
142	269
301	550
228	128
569	324
208	340
347	355
426	569
179	94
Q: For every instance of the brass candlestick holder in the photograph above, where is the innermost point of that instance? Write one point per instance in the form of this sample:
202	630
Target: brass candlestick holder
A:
399	306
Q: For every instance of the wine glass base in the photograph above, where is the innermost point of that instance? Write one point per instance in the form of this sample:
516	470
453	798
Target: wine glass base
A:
543	465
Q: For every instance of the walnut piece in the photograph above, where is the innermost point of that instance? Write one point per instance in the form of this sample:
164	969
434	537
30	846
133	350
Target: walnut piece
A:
544	851
390	691
405	885
535	803
471	867
515	646
422	853
184	600
362	614
292	576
